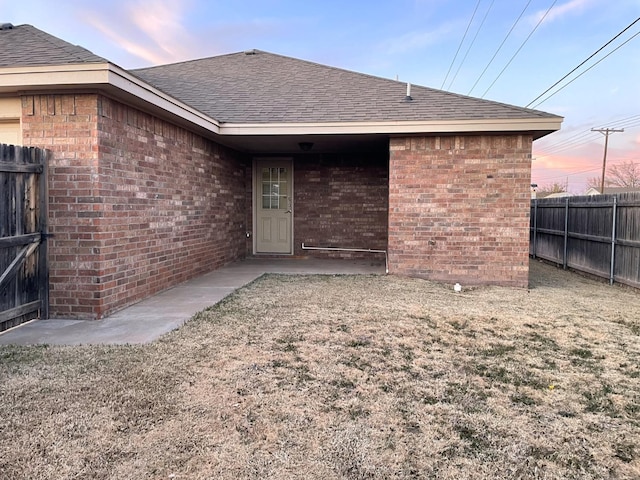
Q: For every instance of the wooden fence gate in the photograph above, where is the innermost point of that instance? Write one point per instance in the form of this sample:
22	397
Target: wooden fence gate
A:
24	273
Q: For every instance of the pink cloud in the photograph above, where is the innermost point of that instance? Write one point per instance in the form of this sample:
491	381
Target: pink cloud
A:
559	11
416	40
160	21
576	165
157	31
151	30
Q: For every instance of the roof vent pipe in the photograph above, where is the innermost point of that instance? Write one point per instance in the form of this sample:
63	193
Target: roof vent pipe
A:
408	97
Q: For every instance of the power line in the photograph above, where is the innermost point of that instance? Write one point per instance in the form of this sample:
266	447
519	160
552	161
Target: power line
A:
562	175
500	47
585	136
577	77
585	61
471	44
617	121
631	158
460	46
572	174
520	48
565	148
556	150
574	139
572	142
629	124
579	172
566	139
604	131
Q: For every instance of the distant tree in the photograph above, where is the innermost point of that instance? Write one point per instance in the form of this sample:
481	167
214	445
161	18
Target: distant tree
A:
626	174
552	188
594	182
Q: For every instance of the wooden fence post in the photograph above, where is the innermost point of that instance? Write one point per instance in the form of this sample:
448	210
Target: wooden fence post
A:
43	228
613	238
535	225
566	232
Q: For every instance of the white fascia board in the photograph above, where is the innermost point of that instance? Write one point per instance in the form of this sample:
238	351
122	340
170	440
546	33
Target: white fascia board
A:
396	127
24	78
99	75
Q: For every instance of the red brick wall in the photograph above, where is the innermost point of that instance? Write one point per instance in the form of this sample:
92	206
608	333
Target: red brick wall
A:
459	208
137	204
341	201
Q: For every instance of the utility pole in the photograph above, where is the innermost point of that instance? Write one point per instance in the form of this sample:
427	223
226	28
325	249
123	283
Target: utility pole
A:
606	132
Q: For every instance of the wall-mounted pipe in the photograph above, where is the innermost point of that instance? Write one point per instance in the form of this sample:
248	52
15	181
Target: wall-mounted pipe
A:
341	249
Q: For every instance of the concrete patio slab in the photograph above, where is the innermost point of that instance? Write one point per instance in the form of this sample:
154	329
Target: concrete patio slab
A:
149	319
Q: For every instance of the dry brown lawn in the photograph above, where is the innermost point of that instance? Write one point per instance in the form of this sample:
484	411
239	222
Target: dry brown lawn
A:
355	377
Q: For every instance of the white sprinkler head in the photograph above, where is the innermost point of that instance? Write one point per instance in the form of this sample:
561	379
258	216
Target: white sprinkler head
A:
457	288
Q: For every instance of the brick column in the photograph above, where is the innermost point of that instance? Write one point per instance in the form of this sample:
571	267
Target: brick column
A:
67	125
459	208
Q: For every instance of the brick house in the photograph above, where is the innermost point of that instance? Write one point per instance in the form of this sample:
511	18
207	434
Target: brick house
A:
161	174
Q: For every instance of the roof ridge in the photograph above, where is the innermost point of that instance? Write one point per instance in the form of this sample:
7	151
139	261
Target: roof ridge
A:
288	57
31	46
192	60
69	48
353	72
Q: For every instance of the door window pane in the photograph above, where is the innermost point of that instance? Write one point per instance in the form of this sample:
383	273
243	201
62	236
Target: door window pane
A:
274	188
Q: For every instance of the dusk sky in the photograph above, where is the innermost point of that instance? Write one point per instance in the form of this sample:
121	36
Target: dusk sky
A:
512	52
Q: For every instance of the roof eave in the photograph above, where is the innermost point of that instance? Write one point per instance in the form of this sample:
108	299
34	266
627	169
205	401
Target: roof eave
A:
103	76
538	127
122	84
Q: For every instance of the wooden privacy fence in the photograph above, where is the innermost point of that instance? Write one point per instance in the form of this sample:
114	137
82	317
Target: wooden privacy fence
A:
597	234
24	274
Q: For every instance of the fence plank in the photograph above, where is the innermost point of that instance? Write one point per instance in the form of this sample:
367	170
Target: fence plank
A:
19	240
17	262
20	168
19	311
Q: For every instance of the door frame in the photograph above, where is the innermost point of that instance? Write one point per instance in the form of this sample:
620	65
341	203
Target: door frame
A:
254	201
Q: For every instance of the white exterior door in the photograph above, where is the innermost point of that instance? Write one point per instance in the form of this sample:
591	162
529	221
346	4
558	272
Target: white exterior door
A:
274	206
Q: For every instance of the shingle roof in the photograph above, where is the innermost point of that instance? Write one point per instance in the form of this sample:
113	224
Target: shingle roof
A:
24	45
261	87
612	190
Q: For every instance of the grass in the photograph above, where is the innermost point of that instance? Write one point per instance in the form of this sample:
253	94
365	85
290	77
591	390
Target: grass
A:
338	377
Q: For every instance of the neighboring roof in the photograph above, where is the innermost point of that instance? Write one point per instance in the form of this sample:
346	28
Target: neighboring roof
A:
553	195
613	190
24	45
261	87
